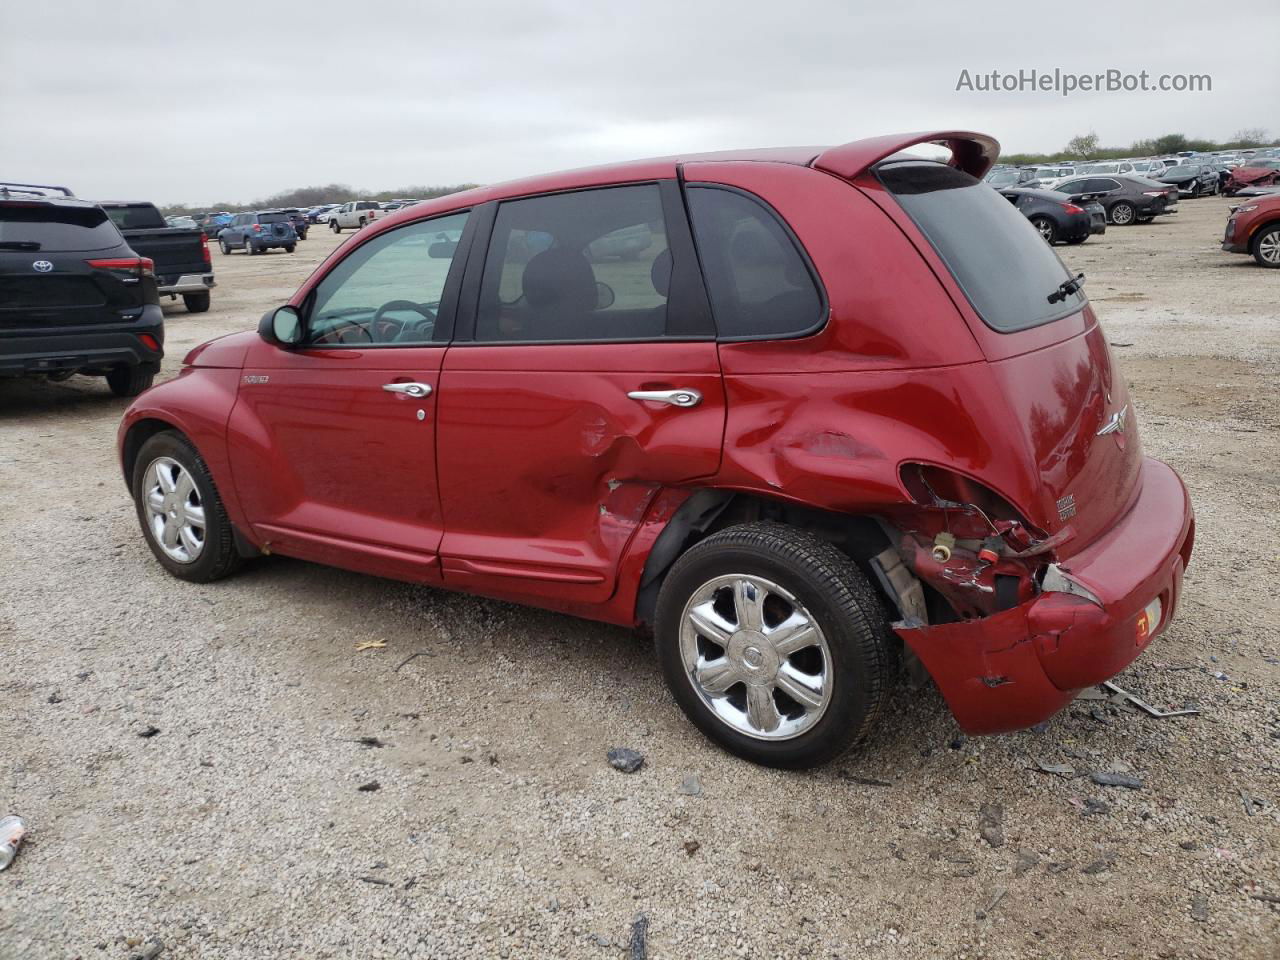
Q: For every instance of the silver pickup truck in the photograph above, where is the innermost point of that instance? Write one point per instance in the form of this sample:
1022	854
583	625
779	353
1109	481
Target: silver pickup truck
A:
354	213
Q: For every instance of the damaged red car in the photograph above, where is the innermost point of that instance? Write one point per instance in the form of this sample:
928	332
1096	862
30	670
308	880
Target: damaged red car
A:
802	412
1261	172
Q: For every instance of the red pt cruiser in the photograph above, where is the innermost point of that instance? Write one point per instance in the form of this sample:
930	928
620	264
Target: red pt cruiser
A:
803	411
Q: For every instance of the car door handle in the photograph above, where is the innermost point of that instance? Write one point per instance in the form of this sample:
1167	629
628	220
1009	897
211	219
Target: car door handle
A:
408	389
680	397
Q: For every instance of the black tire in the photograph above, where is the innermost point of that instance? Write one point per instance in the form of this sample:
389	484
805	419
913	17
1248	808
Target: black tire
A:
226	249
333	225
290	247
361	225
219	557
196	302
249	249
1123	214
837	596
130	381
1047	229
1269	235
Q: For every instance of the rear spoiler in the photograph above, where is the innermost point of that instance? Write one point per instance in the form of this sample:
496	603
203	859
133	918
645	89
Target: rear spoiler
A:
32	189
974	153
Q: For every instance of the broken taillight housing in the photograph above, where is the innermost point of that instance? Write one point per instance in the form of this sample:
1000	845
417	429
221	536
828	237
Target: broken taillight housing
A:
931	486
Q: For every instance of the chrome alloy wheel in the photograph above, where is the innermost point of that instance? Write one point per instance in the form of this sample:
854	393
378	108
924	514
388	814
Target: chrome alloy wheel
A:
756	657
174	511
1269	247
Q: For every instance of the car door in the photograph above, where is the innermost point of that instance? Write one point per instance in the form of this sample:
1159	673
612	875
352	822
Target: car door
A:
587	380
333	442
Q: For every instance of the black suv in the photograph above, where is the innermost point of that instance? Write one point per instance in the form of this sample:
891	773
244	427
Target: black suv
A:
74	298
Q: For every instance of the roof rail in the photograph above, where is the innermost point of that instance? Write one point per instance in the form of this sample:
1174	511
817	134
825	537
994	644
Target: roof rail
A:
974	153
32	189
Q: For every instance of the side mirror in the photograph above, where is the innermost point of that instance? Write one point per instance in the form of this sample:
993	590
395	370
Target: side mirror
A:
281	326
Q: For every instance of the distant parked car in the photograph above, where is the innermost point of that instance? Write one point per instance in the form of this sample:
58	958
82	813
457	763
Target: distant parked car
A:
211	223
299	220
1192	179
355	213
1002	177
319	214
1126	200
1107	166
255	232
1055	216
184	222
1254	173
1254	227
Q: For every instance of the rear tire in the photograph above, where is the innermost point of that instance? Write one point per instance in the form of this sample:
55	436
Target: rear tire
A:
217	556
249	249
1266	246
130	381
196	302
1123	214
845	653
1047	229
289	248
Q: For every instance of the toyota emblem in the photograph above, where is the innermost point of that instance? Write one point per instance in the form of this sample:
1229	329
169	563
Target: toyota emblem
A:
42	266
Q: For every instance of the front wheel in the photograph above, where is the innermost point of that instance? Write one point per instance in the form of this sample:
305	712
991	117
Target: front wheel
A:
1266	246
775	645
130	381
333	225
224	246
180	511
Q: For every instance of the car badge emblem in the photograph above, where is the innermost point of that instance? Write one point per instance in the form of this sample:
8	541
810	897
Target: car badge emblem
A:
1066	507
42	266
1116	423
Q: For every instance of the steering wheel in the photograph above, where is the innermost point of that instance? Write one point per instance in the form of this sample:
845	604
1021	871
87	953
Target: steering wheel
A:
387	331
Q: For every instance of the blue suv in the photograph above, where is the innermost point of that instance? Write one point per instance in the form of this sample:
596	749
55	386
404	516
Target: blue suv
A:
259	231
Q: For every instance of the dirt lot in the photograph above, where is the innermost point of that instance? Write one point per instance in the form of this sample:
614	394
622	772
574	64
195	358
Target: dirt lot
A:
238	830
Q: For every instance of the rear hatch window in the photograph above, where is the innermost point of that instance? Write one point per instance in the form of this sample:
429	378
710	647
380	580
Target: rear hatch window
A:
273	218
1005	269
142	216
52	228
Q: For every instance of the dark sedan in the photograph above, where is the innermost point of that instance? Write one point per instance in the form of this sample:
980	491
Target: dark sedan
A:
1056	216
1192	179
1126	199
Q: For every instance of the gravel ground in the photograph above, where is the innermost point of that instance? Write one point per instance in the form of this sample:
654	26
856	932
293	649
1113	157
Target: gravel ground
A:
241	830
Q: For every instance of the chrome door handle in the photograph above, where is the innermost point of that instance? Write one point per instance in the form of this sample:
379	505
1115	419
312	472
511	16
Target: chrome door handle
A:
408	389
680	397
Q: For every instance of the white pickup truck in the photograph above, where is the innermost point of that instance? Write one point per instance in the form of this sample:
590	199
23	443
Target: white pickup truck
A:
354	213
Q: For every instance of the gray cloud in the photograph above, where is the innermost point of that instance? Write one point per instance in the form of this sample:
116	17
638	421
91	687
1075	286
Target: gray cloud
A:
232	101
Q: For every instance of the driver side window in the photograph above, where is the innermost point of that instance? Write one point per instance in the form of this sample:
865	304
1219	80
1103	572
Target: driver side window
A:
388	291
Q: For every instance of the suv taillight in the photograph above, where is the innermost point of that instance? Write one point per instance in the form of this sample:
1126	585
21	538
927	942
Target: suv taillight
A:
130	266
257	228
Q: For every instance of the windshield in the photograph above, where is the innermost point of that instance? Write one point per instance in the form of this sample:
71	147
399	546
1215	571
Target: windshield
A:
49	227
1004	268
1180	170
1002	178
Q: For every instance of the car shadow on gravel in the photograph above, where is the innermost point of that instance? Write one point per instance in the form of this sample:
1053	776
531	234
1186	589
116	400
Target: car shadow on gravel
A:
22	399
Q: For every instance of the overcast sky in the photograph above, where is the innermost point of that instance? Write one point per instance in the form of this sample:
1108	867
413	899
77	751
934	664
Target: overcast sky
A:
213	100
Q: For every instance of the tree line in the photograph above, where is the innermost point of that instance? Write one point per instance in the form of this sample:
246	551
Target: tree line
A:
314	196
1087	147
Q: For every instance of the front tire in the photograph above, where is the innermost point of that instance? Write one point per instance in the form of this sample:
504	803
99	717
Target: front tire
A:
196	302
333	225
775	645
130	381
1266	246
180	511
225	247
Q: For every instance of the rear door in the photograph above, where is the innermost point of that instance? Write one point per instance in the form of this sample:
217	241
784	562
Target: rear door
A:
333	443
586	380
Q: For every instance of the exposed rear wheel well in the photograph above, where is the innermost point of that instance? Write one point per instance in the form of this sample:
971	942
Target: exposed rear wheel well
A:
708	511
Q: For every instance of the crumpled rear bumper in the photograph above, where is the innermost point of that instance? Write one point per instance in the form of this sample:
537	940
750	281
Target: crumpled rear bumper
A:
1018	667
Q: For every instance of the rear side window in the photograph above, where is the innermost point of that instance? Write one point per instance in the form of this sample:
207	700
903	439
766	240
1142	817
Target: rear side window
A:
587	266
53	228
759	283
1005	269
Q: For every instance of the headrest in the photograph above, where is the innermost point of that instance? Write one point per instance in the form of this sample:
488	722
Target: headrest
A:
559	278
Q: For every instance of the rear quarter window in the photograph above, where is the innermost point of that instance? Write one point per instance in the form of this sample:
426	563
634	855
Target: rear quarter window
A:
760	284
996	256
56	228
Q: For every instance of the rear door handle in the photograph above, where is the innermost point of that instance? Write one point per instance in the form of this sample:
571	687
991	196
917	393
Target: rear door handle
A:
680	397
408	389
